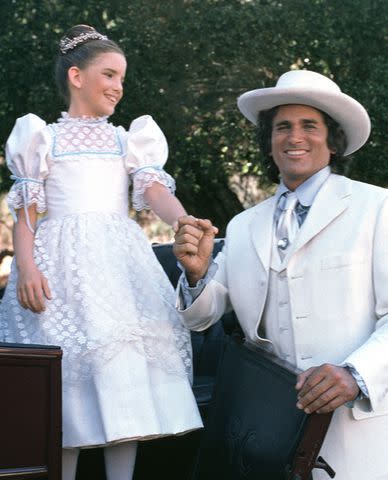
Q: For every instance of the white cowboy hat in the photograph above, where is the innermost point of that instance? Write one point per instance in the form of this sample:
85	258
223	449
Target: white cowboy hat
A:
302	87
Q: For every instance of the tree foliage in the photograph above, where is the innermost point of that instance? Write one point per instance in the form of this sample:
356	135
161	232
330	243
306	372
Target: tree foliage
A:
188	60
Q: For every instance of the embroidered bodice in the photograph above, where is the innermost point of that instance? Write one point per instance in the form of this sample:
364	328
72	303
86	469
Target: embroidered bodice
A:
79	165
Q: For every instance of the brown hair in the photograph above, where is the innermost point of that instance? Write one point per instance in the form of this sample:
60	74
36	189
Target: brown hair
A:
336	141
81	54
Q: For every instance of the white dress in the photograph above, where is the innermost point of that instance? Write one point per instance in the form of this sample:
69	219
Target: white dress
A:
127	357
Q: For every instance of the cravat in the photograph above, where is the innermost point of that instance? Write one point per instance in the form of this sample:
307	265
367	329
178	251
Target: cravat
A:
287	226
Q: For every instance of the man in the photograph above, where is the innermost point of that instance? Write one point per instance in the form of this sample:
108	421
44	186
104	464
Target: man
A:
306	271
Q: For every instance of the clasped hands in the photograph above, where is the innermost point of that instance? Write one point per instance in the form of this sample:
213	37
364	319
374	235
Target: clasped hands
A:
193	246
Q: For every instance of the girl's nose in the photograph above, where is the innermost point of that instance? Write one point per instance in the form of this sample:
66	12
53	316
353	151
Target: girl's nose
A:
118	86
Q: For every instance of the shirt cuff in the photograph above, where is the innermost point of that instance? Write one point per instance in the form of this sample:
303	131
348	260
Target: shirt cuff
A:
361	385
189	294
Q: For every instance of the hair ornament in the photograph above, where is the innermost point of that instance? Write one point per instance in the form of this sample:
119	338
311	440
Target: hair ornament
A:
67	44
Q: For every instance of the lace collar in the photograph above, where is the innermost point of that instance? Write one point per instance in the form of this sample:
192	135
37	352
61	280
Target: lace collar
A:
66	118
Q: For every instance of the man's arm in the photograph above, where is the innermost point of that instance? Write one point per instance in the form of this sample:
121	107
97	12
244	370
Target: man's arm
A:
327	387
187	293
193	247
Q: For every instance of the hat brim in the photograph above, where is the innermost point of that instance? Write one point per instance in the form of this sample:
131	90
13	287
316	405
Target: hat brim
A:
345	110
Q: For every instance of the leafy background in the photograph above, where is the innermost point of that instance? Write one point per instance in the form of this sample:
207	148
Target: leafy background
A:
188	60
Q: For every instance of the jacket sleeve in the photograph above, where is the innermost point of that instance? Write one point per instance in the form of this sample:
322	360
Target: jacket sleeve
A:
371	358
212	302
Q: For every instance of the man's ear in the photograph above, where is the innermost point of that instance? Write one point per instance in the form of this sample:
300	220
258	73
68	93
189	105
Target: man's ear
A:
74	77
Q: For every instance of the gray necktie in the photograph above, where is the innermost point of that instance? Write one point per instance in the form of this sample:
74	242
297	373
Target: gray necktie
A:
287	226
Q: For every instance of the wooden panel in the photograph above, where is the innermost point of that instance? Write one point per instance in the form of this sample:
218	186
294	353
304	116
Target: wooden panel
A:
30	406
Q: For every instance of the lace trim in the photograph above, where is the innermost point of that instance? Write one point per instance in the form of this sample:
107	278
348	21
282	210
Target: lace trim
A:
85	137
66	118
35	195
91	157
143	179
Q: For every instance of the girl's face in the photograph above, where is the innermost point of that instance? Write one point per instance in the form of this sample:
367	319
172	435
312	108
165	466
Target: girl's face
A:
98	88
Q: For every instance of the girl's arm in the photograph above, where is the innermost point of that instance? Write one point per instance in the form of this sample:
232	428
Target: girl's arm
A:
32	287
164	204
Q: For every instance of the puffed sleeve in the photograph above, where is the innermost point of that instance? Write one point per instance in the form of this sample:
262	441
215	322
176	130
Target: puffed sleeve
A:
26	157
147	152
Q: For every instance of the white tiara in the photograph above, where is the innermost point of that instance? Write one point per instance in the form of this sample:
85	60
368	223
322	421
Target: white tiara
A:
67	44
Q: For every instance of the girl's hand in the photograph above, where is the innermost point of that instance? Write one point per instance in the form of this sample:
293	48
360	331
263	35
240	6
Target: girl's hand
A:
32	289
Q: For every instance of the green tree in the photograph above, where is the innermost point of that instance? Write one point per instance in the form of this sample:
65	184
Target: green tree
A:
188	60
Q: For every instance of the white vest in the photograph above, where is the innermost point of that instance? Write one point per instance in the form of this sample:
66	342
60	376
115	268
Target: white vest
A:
276	318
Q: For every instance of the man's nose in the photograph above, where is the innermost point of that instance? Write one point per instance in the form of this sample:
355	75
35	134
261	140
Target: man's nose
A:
296	135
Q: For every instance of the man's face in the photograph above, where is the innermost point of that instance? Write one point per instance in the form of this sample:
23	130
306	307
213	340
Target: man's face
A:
299	143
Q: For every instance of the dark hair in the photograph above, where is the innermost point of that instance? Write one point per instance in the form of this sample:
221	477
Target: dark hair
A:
336	141
81	55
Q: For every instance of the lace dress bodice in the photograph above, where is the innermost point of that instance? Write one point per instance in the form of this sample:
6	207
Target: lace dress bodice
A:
83	165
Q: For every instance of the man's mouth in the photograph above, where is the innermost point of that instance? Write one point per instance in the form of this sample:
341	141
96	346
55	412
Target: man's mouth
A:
295	153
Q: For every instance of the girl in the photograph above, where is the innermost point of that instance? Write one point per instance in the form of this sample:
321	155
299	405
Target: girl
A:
86	277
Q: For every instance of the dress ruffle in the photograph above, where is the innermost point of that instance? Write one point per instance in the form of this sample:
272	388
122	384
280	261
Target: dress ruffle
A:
35	195
143	179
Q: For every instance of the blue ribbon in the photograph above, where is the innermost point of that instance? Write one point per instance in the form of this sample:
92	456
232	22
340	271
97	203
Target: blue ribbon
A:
24	181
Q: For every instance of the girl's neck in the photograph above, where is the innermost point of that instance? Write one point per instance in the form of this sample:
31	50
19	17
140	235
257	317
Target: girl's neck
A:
72	113
77	113
66	117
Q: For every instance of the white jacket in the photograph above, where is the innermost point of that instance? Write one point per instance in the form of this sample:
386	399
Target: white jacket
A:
337	275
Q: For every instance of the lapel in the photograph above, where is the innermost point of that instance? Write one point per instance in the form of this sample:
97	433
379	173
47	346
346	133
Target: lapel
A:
261	229
331	200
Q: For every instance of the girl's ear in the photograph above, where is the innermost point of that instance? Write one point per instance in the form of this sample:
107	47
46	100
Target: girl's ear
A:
74	77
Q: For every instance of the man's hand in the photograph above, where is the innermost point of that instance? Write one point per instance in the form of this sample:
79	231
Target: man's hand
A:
323	389
193	246
32	289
